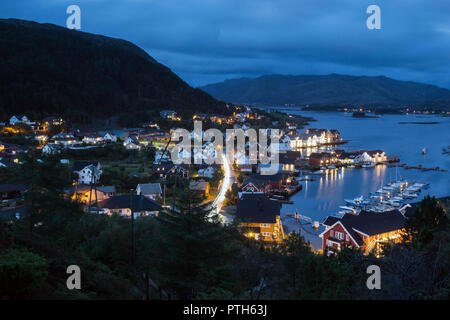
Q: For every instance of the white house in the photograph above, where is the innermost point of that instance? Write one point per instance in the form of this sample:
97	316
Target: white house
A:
110	137
64	139
207	172
51	148
88	172
20	119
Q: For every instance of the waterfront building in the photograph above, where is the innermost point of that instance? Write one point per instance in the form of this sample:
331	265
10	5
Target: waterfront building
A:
365	231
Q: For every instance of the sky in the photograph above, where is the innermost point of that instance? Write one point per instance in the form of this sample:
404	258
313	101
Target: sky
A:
207	41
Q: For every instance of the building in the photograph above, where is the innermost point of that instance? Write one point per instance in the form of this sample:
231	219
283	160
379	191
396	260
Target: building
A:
201	187
110	137
92	138
259	217
365	231
64	139
264	183
169	114
88	171
124	204
322	159
20	119
86	194
149	190
164	169
132	143
206	172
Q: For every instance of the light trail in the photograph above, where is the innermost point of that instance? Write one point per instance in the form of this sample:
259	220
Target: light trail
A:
220	199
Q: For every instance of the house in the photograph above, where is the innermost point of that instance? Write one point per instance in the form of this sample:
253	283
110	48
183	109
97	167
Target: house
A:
86	194
88	171
201	187
20	119
110	137
378	156
365	231
207	172
124	204
322	159
64	139
149	190
92	138
169	114
131	143
165	168
347	157
51	148
265	183
259	217
10	191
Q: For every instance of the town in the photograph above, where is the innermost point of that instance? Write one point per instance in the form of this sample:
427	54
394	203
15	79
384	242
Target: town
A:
130	172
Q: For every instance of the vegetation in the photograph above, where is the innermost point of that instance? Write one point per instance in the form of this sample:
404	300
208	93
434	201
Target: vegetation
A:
189	255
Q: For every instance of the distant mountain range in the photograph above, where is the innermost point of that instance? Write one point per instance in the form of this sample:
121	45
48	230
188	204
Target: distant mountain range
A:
330	90
47	69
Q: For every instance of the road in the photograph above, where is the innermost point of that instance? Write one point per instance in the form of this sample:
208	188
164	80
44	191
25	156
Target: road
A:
225	185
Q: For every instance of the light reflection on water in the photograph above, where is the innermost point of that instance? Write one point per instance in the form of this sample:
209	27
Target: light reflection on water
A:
322	197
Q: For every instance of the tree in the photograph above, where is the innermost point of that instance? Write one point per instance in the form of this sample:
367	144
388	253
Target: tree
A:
428	219
22	273
194	251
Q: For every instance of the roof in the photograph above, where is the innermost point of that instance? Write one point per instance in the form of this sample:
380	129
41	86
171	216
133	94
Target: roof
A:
150	188
80	165
257	208
107	189
369	223
7	187
139	202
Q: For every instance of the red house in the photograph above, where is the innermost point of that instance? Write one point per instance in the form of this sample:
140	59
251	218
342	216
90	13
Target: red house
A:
364	231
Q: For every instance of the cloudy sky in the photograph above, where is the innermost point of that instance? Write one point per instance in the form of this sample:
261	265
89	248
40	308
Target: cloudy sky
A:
206	41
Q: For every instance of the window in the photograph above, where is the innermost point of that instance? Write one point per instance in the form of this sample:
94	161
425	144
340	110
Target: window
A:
331	233
346	237
339	235
264	225
266	234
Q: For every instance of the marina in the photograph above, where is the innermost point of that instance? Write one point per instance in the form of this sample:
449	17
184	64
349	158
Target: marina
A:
326	190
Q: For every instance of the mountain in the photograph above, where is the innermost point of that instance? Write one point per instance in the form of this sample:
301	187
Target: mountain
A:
331	90
47	69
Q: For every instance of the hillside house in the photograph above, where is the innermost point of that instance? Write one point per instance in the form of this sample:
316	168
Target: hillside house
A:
125	204
259	217
88	171
149	190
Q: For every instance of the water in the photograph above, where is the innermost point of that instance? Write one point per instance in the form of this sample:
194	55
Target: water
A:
322	197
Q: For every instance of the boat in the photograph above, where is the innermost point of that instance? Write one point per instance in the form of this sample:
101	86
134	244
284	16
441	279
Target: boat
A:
323	168
332	167
368	165
346	208
357	201
424	151
351	166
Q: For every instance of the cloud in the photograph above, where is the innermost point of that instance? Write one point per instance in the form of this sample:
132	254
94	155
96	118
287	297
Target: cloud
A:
205	41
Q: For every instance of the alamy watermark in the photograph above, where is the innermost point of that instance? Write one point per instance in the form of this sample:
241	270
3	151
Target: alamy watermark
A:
374	280
250	145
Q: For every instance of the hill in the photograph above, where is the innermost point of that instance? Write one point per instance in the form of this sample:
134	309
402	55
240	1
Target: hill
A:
47	69
330	90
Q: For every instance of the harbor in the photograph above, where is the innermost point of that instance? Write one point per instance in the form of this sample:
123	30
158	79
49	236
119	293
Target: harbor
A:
325	190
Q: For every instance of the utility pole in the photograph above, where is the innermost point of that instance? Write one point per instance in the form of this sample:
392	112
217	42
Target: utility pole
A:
132	225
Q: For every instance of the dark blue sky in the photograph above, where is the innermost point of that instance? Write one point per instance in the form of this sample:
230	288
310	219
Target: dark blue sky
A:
206	41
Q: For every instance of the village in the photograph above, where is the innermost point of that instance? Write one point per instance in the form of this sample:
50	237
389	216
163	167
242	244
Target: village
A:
130	172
